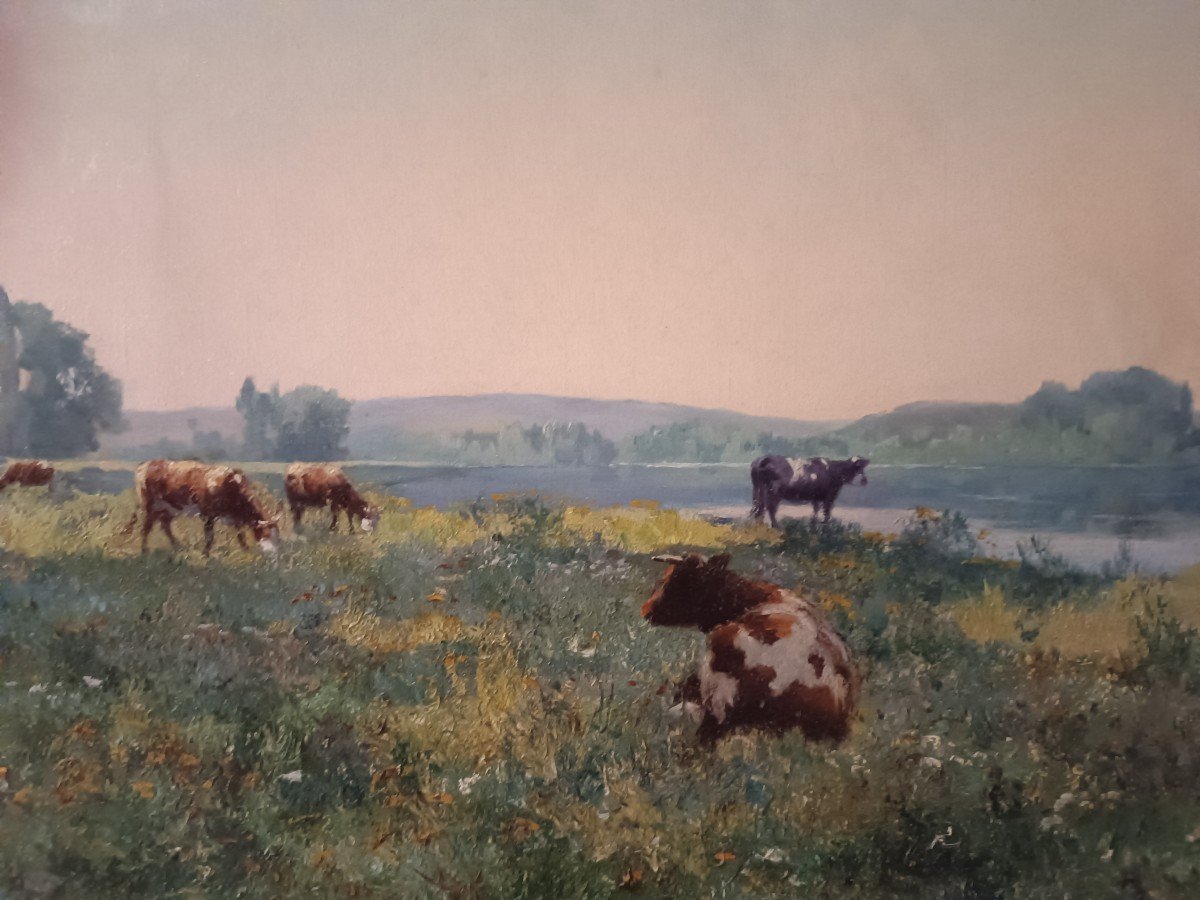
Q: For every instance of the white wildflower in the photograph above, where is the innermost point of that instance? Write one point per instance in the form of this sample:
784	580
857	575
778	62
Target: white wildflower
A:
92	682
294	776
465	784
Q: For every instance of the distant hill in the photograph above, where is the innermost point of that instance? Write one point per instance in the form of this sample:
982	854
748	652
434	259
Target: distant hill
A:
398	427
1130	416
930	421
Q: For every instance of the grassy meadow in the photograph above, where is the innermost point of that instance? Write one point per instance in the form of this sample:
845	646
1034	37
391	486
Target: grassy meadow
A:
466	703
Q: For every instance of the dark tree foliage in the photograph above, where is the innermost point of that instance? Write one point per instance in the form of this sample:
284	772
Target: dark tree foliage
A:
260	412
313	425
309	423
64	398
1053	403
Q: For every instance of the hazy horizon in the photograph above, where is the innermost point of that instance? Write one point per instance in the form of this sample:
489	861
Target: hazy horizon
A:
812	211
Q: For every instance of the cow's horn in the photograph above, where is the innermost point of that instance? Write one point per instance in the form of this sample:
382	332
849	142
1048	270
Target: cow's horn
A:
667	558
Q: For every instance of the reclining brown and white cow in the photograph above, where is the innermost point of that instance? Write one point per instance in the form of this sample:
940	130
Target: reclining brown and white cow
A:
169	488
774	661
320	485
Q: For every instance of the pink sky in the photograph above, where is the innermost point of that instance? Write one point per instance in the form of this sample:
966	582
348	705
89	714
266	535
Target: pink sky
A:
804	209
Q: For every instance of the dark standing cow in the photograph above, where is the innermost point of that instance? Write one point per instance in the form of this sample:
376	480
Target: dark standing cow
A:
774	661
777	479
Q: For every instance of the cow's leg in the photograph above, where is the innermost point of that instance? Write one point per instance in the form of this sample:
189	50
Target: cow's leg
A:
336	511
297	513
816	509
165	520
210	532
147	524
241	536
772	510
710	730
828	509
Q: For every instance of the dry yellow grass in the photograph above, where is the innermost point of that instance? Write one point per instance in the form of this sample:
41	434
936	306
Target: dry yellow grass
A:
1183	594
1105	630
642	529
988	618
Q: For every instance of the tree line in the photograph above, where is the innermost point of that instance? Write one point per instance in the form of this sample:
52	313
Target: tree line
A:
56	400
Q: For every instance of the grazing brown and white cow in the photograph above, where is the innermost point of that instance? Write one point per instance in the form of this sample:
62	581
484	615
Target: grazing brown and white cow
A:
321	485
168	488
30	473
774	661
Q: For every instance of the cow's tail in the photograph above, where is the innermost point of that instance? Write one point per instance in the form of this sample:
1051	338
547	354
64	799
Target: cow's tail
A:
758	479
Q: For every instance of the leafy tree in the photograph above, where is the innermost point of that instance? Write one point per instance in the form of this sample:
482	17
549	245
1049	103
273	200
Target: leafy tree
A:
66	398
13	414
1139	412
308	423
260	411
1053	403
313	424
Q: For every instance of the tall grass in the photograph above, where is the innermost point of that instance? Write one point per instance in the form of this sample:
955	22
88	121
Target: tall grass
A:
467	704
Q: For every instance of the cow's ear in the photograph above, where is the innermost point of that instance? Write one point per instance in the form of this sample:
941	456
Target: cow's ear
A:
719	561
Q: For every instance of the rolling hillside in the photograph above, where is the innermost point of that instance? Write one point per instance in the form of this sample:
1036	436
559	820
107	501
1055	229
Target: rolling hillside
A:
379	426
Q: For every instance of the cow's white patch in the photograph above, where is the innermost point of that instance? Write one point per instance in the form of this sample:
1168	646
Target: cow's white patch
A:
718	690
798	466
685	710
789	656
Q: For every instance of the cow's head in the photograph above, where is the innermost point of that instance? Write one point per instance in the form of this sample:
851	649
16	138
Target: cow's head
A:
266	532
685	594
369	519
858	469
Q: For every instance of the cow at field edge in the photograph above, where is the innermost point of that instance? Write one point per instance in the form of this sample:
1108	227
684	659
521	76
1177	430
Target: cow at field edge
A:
166	489
774	661
777	479
321	485
30	473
